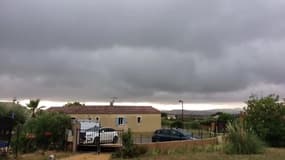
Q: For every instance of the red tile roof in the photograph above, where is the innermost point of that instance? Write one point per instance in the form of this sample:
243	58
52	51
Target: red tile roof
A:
106	110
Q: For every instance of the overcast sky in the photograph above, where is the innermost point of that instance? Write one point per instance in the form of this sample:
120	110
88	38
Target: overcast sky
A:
142	51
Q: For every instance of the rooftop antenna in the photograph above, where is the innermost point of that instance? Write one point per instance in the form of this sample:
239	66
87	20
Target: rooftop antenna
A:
113	101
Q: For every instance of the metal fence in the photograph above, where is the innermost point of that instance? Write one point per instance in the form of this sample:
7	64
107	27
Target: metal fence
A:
111	137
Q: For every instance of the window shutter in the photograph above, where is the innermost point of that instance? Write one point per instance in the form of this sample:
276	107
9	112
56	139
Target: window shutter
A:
117	121
125	121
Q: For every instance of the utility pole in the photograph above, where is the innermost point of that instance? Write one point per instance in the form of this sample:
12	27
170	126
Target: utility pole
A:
182	112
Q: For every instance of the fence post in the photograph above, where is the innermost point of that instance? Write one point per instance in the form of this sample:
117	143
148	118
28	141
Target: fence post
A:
98	143
75	141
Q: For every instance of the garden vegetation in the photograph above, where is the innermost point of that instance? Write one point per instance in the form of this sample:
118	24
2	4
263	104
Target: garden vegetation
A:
265	117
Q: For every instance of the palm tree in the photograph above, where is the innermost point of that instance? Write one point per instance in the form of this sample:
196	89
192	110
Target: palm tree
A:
33	105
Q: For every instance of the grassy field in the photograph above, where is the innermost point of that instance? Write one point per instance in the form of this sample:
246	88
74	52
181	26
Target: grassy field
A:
270	154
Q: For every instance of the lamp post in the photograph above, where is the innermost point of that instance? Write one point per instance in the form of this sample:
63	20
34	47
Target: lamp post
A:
182	114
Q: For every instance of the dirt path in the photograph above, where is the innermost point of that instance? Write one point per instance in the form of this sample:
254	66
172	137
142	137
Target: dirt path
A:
89	156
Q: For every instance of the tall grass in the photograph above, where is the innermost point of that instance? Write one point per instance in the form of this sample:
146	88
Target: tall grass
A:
242	141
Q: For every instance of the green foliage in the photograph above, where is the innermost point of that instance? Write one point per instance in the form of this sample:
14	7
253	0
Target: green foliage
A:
33	105
20	112
3	110
225	117
265	116
177	124
129	149
128	145
192	125
48	129
73	104
165	122
207	121
163	115
241	141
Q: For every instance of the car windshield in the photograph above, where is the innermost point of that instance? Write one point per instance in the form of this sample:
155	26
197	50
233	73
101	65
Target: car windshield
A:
95	128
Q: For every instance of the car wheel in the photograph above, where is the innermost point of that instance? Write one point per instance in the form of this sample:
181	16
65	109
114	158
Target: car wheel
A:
115	139
96	140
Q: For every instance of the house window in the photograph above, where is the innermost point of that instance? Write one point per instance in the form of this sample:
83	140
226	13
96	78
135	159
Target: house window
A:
139	119
121	121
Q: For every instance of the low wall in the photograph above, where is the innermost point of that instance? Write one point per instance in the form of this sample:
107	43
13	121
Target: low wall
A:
179	144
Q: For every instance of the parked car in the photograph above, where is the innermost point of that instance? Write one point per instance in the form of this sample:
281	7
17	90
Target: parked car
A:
161	135
94	134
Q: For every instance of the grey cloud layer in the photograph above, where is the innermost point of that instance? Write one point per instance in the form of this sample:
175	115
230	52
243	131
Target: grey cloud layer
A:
141	51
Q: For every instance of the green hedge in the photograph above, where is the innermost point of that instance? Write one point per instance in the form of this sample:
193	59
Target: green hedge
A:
46	131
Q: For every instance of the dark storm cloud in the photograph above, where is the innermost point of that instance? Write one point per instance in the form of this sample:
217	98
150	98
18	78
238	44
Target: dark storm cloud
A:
141	51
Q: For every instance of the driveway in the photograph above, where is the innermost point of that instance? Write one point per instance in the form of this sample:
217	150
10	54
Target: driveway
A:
89	156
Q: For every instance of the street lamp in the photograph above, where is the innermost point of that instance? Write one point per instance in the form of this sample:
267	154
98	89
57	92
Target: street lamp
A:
182	114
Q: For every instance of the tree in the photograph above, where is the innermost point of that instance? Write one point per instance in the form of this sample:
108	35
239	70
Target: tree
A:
33	105
19	112
163	115
73	104
265	116
177	124
47	130
225	118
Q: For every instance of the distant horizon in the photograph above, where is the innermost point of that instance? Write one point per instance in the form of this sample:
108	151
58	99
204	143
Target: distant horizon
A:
199	106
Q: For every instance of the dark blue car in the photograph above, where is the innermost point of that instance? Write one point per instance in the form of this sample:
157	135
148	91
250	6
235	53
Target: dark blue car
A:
161	135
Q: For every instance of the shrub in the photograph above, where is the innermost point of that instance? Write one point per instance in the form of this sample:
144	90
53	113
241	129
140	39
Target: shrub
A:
207	121
128	144
265	116
46	131
129	149
177	124
193	125
140	150
225	117
241	141
166	122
